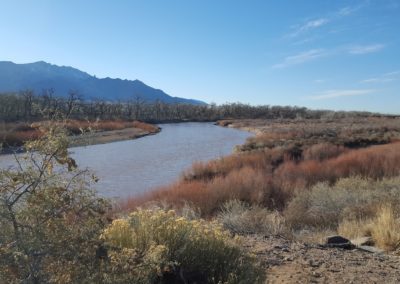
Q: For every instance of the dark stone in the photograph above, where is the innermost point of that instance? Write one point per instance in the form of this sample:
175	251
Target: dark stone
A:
348	246
336	240
339	242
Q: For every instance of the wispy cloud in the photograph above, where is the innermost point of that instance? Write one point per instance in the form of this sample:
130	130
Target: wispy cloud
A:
384	78
314	24
307	26
364	49
301	58
345	11
348	10
331	94
312	54
310	25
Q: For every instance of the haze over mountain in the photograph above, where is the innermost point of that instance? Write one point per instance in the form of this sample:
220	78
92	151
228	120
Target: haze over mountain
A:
42	75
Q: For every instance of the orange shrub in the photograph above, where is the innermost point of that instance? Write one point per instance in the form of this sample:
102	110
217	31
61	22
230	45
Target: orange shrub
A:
251	178
145	126
374	162
18	138
265	160
323	151
246	184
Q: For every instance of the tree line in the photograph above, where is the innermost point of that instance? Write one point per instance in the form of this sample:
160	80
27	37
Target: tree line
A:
29	106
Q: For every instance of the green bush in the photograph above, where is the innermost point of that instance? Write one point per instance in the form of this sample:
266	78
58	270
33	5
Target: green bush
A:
50	218
152	246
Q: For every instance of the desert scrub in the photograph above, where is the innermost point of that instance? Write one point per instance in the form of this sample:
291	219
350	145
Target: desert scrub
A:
356	198
241	218
152	246
384	228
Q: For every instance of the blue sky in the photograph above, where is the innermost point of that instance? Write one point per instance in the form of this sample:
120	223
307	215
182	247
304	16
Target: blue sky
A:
342	55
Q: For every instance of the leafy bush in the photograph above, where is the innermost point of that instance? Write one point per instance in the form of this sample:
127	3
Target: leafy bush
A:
50	219
153	246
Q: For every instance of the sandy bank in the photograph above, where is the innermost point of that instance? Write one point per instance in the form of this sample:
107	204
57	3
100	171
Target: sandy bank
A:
102	137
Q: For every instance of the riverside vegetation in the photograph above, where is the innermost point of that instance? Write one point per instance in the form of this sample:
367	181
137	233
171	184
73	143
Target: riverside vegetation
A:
55	229
303	175
300	178
296	182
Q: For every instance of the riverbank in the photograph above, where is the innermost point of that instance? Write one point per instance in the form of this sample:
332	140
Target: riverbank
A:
81	133
103	137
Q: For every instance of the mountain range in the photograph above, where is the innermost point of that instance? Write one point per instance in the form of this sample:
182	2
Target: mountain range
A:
41	75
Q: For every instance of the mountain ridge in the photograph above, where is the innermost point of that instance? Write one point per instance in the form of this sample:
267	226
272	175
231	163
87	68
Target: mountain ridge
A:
41	75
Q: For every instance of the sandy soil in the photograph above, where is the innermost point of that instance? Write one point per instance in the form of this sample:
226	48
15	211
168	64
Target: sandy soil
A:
288	261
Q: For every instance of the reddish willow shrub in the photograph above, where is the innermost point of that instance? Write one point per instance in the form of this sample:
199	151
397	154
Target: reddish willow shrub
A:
243	177
17	138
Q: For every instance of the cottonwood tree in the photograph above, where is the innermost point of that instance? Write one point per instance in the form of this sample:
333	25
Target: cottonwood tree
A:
30	107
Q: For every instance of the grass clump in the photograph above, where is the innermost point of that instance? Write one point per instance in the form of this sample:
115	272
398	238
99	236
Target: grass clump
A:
384	228
161	246
241	218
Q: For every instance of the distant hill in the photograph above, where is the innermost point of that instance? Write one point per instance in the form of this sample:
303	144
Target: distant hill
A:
42	75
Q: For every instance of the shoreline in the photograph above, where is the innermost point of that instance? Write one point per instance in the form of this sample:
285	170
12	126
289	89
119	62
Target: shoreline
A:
96	138
104	137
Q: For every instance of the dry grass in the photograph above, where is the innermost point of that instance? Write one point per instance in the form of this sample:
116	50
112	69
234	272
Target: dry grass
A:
384	228
241	218
355	207
349	132
355	198
354	228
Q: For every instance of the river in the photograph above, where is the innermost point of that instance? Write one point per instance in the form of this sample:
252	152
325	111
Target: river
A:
128	168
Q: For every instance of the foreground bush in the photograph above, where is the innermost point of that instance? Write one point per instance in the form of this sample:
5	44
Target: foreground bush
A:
50	218
152	246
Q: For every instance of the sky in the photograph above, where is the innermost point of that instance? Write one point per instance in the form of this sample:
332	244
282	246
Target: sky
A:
340	55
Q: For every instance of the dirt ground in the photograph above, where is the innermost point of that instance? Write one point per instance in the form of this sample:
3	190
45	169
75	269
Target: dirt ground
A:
288	261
